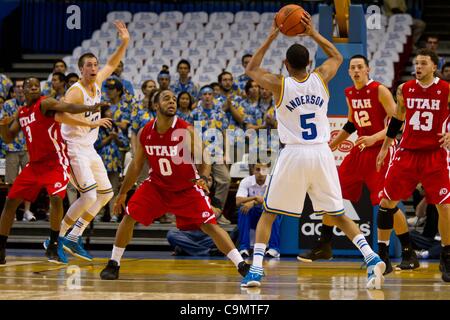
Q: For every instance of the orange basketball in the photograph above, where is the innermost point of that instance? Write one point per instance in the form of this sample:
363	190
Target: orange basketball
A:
289	18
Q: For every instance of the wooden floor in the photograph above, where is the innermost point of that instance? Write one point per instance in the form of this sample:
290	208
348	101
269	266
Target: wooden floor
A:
161	279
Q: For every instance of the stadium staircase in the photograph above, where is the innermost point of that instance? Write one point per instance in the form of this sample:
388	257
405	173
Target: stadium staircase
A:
36	65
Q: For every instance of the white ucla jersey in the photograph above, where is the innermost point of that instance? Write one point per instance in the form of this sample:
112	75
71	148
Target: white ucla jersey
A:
302	111
79	134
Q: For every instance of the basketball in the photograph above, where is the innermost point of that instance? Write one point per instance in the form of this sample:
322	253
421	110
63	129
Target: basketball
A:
289	18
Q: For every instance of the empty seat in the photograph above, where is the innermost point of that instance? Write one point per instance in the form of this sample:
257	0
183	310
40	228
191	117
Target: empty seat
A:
149	17
188	35
171	16
243	26
194	26
251	16
227	17
202	43
179	44
125	16
222	53
199	16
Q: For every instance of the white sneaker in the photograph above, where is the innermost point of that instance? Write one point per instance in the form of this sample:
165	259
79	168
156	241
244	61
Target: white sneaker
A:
28	216
114	219
416	221
272	253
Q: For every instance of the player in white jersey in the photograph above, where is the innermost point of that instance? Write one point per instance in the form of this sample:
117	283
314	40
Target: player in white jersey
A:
88	172
306	164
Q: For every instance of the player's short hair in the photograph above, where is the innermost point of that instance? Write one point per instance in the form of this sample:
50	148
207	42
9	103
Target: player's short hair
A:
23	80
360	56
26	80
184	61
58	61
157	95
60	75
85	56
297	56
246	56
219	78
427	52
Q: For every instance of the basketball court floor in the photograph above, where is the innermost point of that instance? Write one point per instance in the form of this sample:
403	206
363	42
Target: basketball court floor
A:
159	276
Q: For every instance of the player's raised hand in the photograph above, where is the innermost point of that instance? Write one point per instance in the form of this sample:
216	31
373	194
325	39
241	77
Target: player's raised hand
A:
445	140
122	30
380	158
274	29
307	22
119	204
104	122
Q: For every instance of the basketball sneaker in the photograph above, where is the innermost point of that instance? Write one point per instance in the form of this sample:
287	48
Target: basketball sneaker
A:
76	249
272	253
111	271
375	270
253	278
444	265
55	255
245	253
243	268
3	256
383	252
409	260
322	251
28	216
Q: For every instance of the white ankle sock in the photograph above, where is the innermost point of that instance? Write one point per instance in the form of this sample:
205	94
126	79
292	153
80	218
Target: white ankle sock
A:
78	229
235	256
258	254
117	253
361	243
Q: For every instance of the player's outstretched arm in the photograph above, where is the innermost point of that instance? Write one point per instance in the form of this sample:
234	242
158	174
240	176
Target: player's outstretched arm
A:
328	69
115	58
51	104
263	77
133	171
394	127
9	128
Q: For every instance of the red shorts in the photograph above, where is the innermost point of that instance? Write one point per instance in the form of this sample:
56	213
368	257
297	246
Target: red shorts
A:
408	168
358	168
190	206
34	177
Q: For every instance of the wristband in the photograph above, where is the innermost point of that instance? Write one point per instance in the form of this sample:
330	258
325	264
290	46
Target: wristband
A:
394	127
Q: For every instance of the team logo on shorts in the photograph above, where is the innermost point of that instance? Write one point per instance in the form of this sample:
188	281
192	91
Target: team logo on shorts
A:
205	214
58	185
443	191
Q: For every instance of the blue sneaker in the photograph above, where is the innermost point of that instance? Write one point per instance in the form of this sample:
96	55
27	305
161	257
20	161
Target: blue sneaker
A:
253	278
375	270
76	249
55	252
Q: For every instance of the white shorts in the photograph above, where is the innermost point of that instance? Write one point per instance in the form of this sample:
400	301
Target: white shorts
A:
87	169
302	169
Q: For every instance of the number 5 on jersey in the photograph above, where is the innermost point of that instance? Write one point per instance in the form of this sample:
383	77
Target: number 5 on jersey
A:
309	129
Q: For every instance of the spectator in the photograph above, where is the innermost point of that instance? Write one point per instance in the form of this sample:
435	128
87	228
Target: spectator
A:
433	45
108	146
399	6
253	115
58	85
5	85
185	104
11	94
164	80
58	66
148	88
2	145
216	89
127	85
184	82
121	111
445	72
242	80
266	100
228	89
211	116
71	79
16	152
250	199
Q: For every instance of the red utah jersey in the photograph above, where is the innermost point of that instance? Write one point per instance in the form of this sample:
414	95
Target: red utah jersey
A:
165	156
368	114
426	114
43	136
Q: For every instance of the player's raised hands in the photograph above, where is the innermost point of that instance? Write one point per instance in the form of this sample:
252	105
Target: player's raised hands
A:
122	30
119	204
445	140
307	22
274	29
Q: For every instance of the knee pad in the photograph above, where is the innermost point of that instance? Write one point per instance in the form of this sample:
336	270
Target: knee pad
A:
385	218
